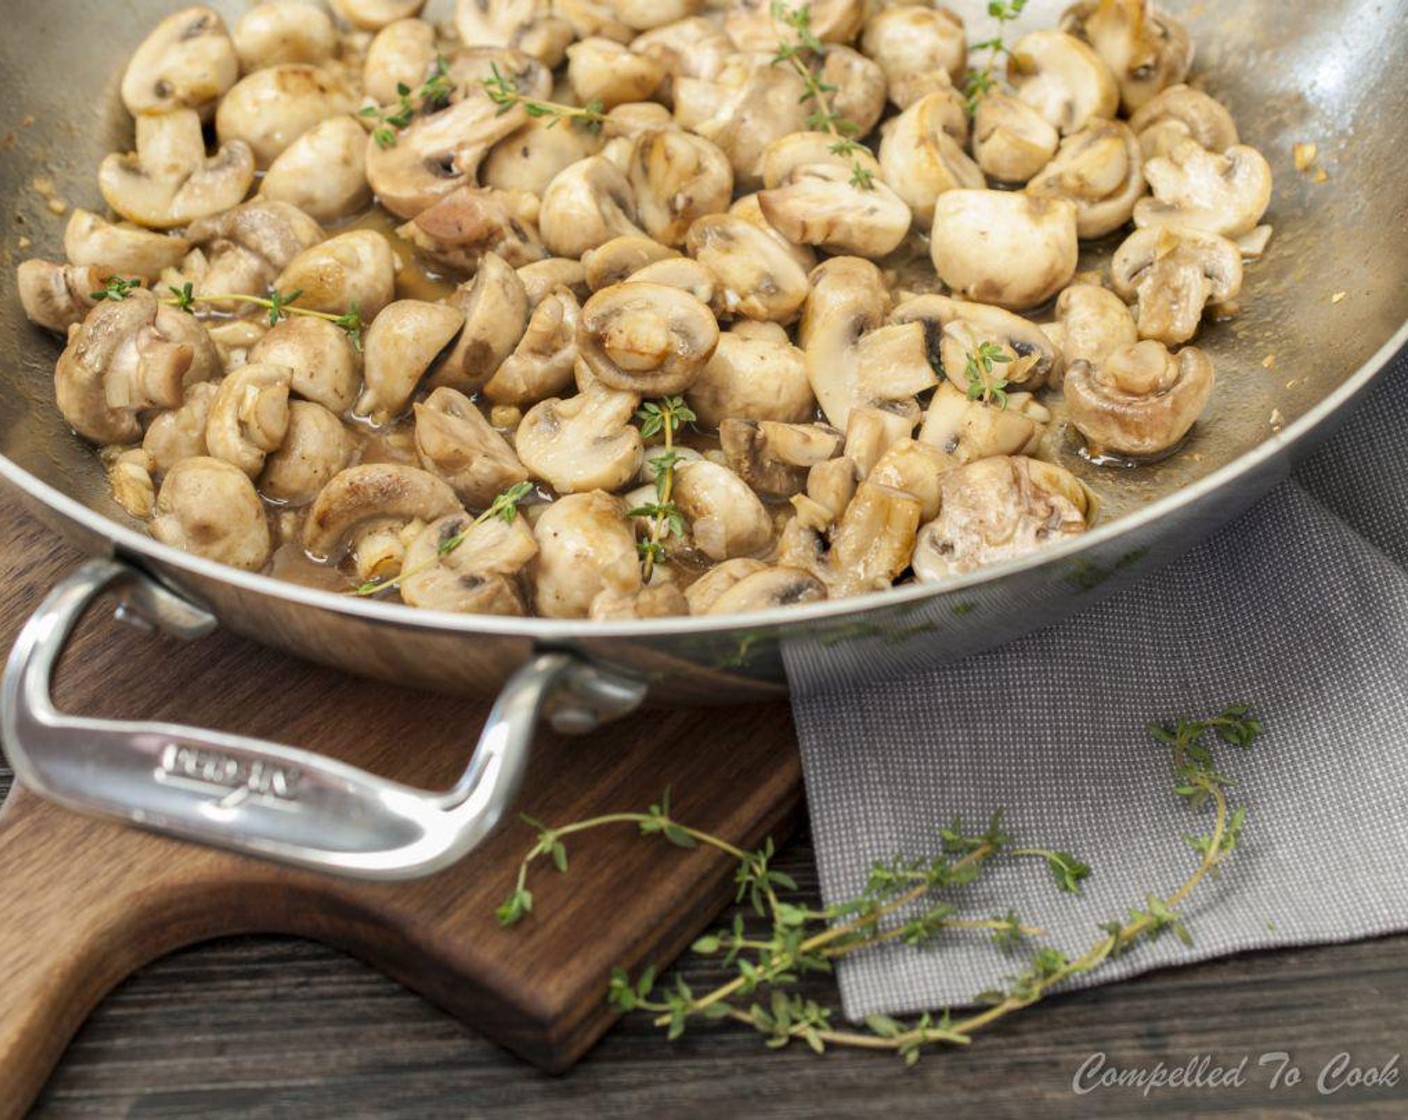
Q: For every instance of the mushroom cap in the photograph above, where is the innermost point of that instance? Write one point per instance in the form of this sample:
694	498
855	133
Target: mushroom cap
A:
541	364
249	416
1145	48
477	576
583	443
399	348
438	153
169	181
686	274
353	268
179	433
820	205
248	246
495	309
603	70
967	430
187	62
119	249
463	227
456	442
726	519
859	86
586	545
647	339
1012	141
372	491
541	278
324	365
586	205
1183	112
1005	248
1223	193
532	157
1063	79
1094	322
1141	400
798	149
847	298
677	177
687	48
997	509
1100	170
209	508
914	39
373	15
621	257
270	109
920	159
751	26
765	589
126	357
1023	338
276	34
323	172
755	373
57	296
401	54
315	447
521	24
758	277
1173	274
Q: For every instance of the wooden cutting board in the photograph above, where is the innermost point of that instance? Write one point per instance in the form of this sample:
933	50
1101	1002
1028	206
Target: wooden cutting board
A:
87	902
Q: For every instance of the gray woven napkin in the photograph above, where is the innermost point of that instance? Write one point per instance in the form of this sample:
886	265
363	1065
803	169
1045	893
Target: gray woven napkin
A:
1299	609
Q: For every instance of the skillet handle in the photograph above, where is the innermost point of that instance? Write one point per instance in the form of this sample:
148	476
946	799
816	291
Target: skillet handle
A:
261	798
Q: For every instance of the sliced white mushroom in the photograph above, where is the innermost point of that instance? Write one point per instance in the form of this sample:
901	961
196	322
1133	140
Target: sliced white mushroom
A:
179	433
872	430
1002	247
521	24
400	347
912	41
967	430
120	249
586	205
998	509
1141	400
127	357
289	31
774	458
542	362
786	155
57	296
874	540
1145	48
1173	274
726	519
463	227
323	172
495	309
170	181
752	25
270	109
1063	79
758	277
920	160
401	54
582	443
820	204
1011	141
356	269
1094	322
187	62
586	546
685	274
747	207
325	367
646	339
315	447
851	361
209	508
373	15
1100	170
456	442
372	492
1224	193
755	373
249	416
1180	113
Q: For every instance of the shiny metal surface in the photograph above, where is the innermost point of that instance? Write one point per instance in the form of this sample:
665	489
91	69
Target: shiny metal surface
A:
262	798
1328	73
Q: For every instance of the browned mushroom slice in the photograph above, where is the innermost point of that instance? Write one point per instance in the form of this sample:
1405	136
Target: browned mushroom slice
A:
477	575
371	492
774	458
1100	169
1174	274
918	469
437	154
586	205
586	546
586	442
872	430
1146	49
126	357
1002	247
766	589
821	205
541	278
456	442
1141	400
1224	193
612	262
326	367
246	248
209	508
755	374
401	345
120	249
471	222
187	62
968	429
1062	79
646	338
874	540
1179	113
1040	360
704	592
998	509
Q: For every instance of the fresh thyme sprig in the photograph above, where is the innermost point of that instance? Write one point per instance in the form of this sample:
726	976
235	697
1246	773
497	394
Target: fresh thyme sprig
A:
983	384
665	416
434	94
504	507
802	939
280	305
793	52
503	91
980	83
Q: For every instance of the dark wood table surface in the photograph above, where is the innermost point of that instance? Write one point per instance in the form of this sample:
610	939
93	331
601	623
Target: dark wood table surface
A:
273	1027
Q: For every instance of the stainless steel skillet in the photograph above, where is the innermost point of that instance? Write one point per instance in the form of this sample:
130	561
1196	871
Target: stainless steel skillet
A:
1328	73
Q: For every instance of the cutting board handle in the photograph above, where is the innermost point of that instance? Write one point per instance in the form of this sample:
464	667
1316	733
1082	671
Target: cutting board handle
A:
265	799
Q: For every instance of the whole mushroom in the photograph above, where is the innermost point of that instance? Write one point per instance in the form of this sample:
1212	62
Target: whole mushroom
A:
373	15
646	339
920	160
1100	170
758	278
914	41
209	508
401	54
755	373
401	345
586	546
531	158
456	442
752	25
271	108
187	62
726	519
1172	275
477	576
1010	249
315	447
57	296
1141	400
677	177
